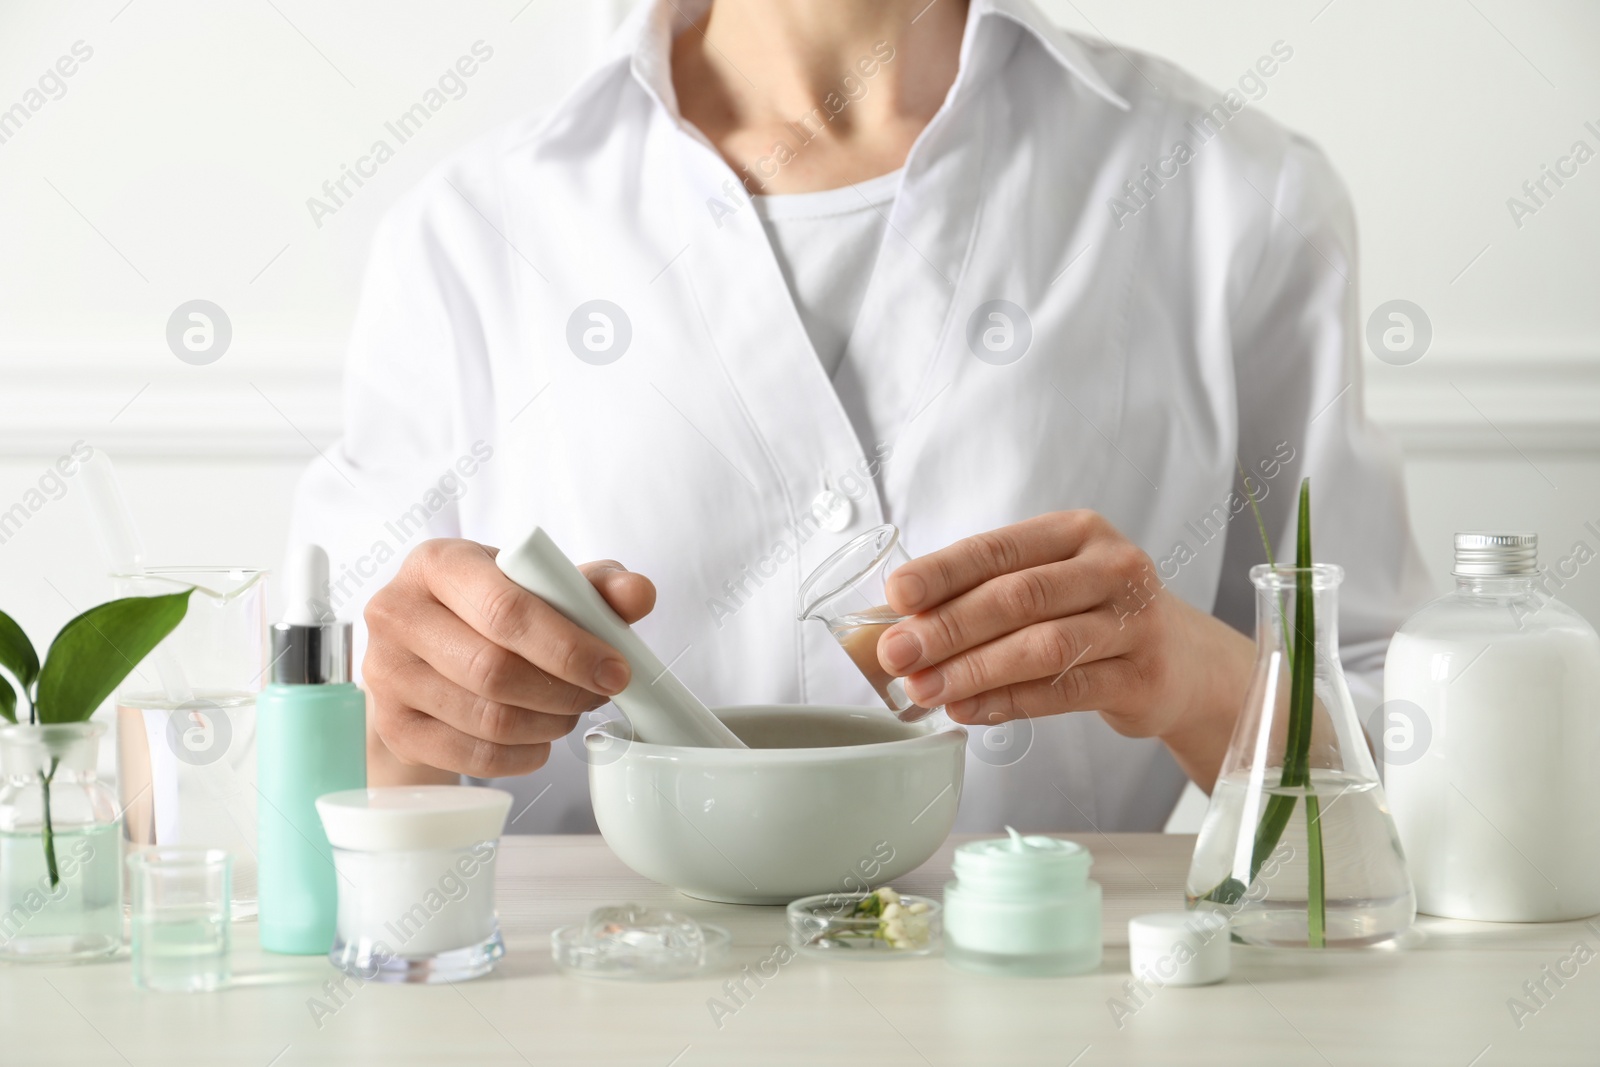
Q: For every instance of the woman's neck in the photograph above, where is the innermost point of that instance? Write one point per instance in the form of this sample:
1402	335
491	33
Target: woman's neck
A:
800	96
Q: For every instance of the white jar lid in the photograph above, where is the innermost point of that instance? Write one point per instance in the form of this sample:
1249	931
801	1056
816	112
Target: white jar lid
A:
403	818
1180	947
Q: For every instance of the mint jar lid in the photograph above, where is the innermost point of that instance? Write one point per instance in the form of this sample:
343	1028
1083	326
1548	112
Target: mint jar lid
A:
1022	864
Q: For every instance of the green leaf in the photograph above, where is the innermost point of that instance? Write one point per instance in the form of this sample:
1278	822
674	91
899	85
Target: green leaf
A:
17	654
1316	876
1261	527
8	701
95	651
1231	891
1302	662
1274	820
1302	708
1300	645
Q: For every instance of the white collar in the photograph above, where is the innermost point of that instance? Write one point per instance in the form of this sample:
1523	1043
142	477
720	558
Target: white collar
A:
1066	48
644	42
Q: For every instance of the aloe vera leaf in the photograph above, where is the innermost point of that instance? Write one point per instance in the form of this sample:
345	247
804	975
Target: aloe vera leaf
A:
1316	878
1300	645
1279	808
1273	822
1228	891
1303	672
1302	707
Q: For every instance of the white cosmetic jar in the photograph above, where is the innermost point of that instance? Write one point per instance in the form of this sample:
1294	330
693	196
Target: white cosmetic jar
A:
1181	948
415	871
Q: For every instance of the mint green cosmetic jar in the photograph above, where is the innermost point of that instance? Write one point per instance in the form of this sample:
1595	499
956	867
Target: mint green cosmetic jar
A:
1022	906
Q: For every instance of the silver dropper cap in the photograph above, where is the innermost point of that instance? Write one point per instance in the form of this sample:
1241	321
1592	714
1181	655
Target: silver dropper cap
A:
1496	555
311	655
310	646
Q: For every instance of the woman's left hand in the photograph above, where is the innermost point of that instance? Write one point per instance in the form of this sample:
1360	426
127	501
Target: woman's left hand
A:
1058	613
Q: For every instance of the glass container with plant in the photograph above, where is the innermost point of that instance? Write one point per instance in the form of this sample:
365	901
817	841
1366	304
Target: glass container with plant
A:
1297	845
60	844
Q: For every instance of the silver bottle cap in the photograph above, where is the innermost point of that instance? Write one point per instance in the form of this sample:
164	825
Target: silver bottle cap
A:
1496	555
311	655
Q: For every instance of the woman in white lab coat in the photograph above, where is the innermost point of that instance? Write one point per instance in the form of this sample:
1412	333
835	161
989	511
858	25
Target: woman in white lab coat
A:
775	273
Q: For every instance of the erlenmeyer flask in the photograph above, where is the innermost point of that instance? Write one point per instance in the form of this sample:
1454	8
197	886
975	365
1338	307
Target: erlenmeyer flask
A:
1297	845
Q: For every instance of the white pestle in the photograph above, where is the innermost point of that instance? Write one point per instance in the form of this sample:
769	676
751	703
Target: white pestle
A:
659	707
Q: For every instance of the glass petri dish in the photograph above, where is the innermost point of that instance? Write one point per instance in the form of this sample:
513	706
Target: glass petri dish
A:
633	942
830	925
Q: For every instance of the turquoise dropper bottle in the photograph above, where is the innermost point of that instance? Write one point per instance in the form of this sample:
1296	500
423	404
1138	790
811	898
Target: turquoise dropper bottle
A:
311	739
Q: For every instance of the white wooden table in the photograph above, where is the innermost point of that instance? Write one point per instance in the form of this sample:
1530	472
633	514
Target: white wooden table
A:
1443	1002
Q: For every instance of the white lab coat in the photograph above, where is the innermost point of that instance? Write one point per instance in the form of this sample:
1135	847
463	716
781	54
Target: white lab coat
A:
1174	334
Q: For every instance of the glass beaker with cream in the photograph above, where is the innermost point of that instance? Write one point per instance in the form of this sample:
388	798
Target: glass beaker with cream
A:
847	593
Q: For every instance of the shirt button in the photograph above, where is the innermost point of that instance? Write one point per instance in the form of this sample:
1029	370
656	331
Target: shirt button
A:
833	511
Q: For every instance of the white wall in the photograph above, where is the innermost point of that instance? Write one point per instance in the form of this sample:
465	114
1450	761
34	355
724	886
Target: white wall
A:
178	163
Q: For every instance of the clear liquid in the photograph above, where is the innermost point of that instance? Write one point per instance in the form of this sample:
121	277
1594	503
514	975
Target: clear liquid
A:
858	635
81	917
180	950
186	775
1366	890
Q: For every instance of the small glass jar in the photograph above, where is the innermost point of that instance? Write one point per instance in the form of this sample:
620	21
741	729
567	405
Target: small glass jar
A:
415	871
1022	907
180	918
76	915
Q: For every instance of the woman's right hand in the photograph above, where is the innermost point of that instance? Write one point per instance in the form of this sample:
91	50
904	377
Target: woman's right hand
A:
468	672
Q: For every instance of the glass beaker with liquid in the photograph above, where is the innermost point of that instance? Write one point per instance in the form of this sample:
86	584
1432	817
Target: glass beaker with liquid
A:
186	768
847	593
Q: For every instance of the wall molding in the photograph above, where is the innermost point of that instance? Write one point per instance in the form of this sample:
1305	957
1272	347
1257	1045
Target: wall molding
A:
151	407
161	409
1489	402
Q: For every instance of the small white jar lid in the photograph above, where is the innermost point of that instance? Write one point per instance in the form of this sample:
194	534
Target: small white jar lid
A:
404	818
1180	948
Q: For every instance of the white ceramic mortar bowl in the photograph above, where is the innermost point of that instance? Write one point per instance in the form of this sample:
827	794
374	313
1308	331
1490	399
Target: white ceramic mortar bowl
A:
775	822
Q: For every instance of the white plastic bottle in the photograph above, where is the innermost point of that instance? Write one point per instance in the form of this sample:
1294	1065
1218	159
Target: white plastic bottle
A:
1491	751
